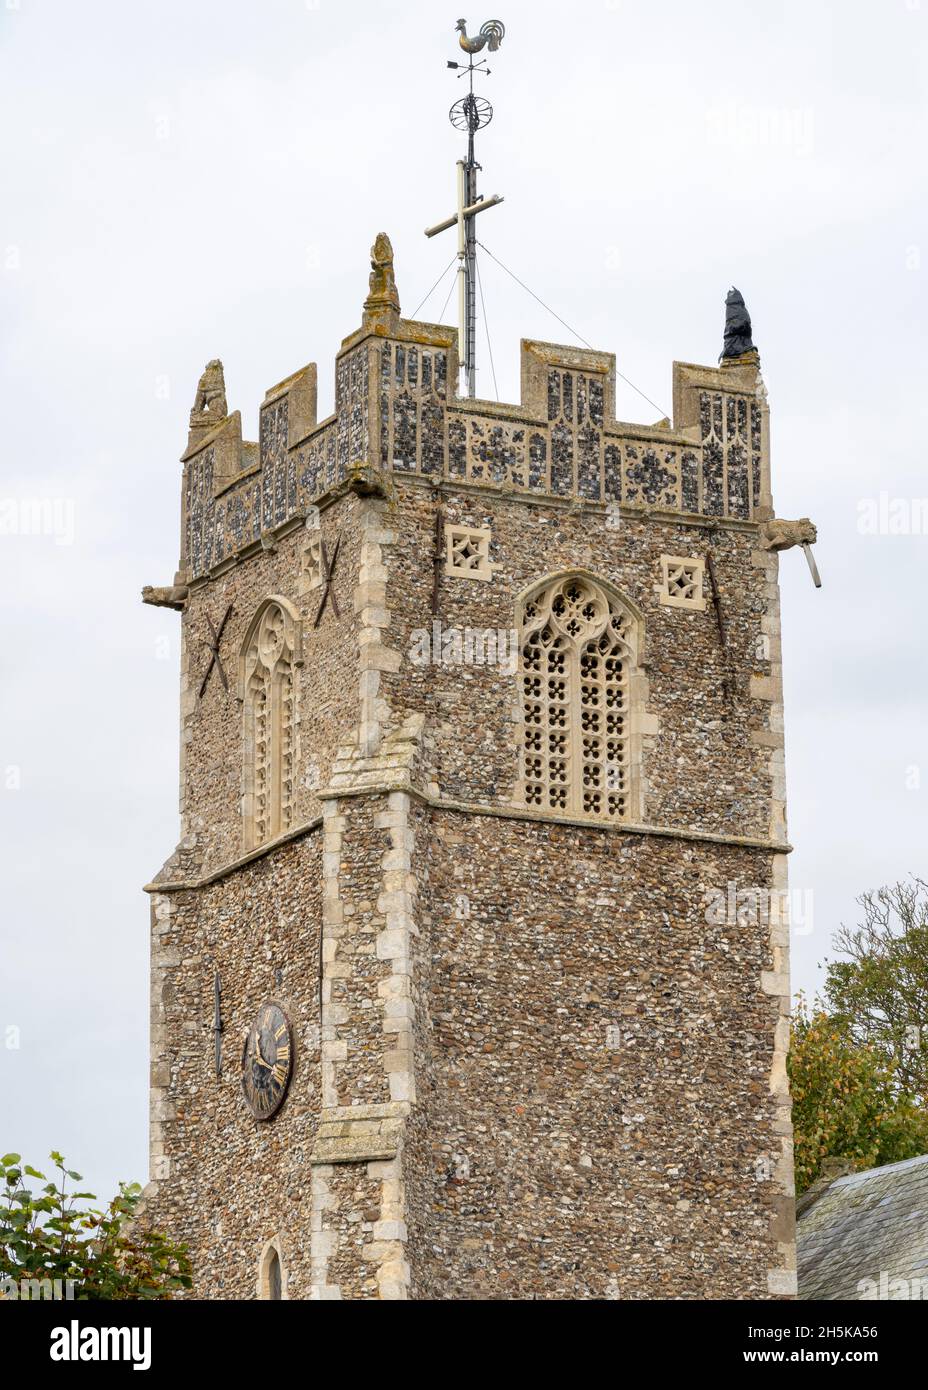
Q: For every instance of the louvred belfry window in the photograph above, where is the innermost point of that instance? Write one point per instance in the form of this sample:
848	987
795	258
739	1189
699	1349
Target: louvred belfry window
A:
578	652
268	691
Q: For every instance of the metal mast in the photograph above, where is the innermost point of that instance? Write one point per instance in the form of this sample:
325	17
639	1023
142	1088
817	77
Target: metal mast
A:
469	114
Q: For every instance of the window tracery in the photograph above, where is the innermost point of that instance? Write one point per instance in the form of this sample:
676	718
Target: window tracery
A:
578	655
270	653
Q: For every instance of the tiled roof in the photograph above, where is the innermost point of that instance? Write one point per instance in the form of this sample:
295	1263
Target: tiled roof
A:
870	1226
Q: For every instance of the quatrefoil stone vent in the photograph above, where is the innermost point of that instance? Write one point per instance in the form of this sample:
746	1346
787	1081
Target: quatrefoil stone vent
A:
467	552
681	582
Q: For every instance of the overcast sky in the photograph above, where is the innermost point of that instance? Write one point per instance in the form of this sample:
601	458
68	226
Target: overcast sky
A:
195	179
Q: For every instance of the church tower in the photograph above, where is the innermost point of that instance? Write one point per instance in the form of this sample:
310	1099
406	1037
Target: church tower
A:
469	971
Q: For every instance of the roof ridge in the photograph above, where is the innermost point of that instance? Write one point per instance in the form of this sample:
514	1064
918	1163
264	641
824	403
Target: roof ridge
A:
851	1178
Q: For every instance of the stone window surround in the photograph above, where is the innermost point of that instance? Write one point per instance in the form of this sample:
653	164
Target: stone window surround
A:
251	661
273	1247
642	724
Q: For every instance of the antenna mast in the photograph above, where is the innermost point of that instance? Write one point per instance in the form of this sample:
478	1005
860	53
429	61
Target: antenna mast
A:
470	113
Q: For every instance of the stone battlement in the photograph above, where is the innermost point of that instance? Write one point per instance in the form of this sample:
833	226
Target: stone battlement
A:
397	412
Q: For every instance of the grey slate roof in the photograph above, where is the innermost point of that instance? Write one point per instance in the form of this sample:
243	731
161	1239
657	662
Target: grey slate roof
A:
867	1226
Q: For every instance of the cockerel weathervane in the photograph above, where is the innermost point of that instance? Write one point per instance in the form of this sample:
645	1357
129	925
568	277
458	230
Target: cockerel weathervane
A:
471	113
490	36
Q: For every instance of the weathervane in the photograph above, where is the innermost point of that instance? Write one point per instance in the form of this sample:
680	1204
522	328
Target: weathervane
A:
470	113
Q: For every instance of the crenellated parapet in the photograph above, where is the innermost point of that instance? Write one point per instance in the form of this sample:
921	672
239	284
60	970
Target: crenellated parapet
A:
397	412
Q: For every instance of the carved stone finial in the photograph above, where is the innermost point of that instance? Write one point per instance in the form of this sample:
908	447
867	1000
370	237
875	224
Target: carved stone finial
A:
738	345
209	405
382	305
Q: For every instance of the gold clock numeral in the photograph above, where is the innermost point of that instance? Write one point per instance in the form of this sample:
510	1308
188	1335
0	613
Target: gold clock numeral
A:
279	1073
283	1052
266	1021
279	1032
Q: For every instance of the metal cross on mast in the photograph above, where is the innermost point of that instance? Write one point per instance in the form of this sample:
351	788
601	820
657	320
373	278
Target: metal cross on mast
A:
471	113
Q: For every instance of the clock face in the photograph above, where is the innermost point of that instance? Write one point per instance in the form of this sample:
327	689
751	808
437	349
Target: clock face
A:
267	1062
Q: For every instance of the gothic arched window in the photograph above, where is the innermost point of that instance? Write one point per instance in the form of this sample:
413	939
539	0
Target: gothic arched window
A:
272	1281
269	654
579	650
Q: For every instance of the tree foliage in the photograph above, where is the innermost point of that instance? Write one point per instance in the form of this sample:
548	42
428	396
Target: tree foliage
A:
46	1233
879	991
847	1103
858	1060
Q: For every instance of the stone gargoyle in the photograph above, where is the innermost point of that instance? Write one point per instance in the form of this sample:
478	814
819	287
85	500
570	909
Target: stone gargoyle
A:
778	534
171	596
